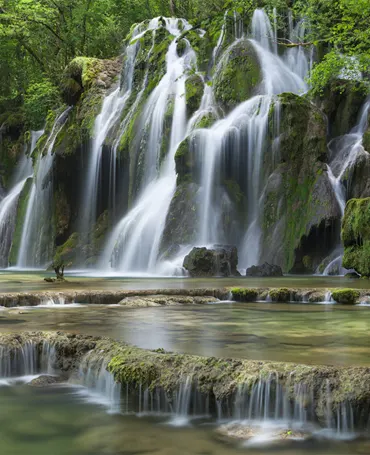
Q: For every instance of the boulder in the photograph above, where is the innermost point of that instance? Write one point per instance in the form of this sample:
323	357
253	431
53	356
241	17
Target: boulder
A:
44	380
264	270
222	260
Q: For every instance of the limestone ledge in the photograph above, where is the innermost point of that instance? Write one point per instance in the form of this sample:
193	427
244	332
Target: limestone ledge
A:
134	298
168	297
217	377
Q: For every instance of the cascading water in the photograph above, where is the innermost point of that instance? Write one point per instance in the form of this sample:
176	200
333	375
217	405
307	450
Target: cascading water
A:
344	151
111	110
25	362
98	384
134	243
244	131
35	248
8	205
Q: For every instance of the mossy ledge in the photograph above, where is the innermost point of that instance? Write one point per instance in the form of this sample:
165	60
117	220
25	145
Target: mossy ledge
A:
217	377
149	297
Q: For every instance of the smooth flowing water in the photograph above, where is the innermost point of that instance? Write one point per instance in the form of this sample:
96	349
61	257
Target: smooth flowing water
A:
35	249
134	243
8	205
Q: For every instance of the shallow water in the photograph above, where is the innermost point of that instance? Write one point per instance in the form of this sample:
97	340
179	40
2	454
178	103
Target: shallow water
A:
11	281
57	421
302	333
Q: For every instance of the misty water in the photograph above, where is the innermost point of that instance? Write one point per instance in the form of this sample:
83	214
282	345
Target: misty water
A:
59	421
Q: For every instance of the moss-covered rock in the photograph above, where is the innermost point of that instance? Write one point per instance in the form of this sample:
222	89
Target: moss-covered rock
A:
87	246
356	236
299	202
238	75
244	294
182	219
194	91
341	102
346	296
280	295
218	261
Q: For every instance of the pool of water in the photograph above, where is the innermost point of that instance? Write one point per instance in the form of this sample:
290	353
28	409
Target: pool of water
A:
58	421
11	281
301	333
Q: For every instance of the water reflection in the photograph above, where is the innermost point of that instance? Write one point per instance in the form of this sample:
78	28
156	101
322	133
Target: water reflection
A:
280	332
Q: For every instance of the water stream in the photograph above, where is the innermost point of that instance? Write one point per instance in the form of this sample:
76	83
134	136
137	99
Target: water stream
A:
36	246
8	205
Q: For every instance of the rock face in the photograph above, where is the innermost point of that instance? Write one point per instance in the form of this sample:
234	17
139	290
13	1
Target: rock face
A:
220	261
264	270
356	236
300	219
238	76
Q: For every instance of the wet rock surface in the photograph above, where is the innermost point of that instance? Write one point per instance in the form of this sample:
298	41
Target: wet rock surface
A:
221	260
264	270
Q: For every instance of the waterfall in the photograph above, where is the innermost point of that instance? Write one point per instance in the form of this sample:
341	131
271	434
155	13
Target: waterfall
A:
8	205
134	244
35	248
344	152
98	384
112	108
25	361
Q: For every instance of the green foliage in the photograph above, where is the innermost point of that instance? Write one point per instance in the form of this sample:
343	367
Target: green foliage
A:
340	29
38	100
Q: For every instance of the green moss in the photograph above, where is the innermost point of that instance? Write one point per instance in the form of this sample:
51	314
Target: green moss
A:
356	236
366	140
291	195
238	76
206	121
194	91
346	296
66	254
185	162
280	295
244	294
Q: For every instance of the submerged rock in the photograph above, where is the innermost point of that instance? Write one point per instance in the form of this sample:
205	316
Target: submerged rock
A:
264	270
269	436
222	260
45	380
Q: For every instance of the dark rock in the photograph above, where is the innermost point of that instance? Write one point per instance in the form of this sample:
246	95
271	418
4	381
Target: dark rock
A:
44	380
222	260
352	275
264	270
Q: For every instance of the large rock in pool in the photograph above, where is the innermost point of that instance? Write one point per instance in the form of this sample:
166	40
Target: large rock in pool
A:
222	260
264	270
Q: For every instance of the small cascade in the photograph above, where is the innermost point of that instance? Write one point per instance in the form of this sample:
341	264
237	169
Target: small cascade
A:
35	249
268	401
51	302
344	151
134	244
8	205
26	361
98	384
